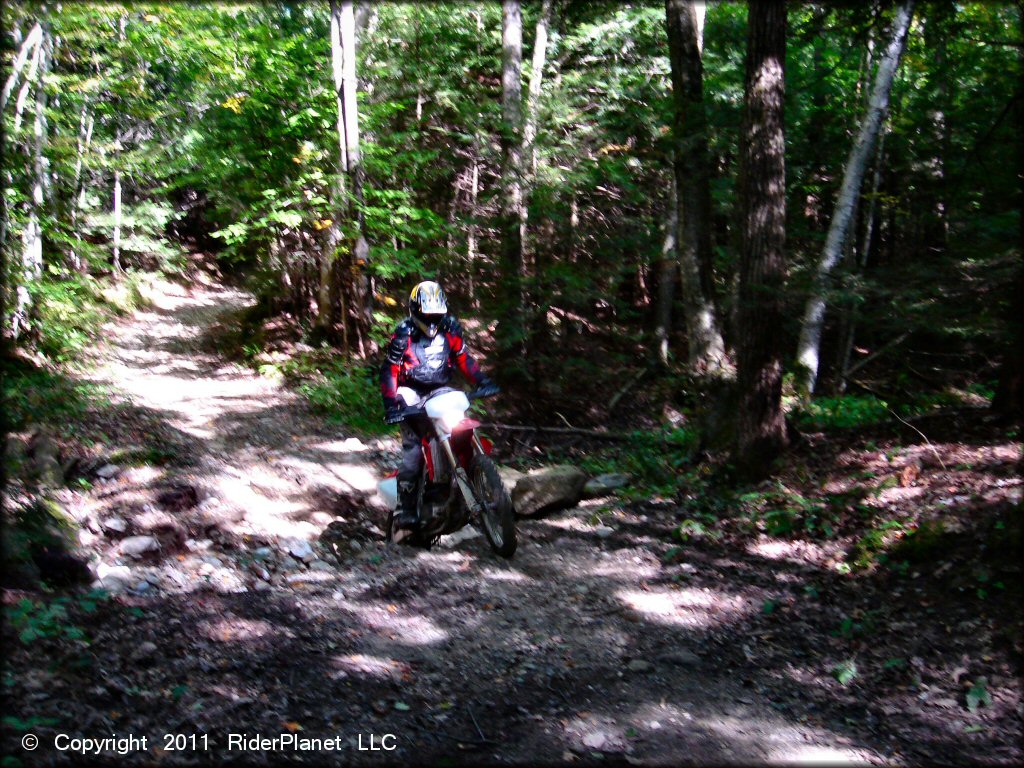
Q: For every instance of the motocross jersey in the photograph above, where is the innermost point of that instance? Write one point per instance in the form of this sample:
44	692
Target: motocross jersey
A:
414	360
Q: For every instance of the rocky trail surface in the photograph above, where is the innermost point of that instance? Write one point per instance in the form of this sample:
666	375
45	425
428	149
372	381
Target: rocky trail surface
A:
253	596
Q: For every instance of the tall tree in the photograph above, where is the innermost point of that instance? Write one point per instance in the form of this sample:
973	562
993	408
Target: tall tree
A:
32	236
346	196
761	427
1009	394
511	329
809	344
690	167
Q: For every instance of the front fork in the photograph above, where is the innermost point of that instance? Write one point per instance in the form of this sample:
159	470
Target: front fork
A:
461	478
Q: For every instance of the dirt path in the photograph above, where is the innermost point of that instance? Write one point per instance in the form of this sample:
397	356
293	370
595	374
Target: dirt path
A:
237	619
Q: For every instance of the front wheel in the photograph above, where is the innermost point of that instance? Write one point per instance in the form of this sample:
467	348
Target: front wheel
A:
496	512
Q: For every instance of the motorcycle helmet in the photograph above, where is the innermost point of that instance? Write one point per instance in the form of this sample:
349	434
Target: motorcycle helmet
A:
427	307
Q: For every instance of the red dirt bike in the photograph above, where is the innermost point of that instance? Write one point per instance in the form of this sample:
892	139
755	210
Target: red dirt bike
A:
458	484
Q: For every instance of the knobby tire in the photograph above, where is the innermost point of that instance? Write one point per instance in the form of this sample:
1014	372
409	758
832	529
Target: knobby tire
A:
497	516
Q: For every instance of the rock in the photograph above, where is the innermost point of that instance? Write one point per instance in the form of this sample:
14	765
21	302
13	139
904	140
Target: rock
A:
510	476
300	549
200	545
261	572
108	472
212	560
321	565
596	740
680	659
142	588
225	580
154	522
603	485
263	553
137	546
353	444
176	577
289	564
551	488
603	531
306	577
639	665
46	459
144	651
114	525
453	540
114	578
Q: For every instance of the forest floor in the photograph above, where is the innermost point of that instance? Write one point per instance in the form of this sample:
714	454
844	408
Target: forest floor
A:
252	594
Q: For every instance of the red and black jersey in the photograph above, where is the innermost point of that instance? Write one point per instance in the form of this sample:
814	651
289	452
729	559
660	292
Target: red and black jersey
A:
421	363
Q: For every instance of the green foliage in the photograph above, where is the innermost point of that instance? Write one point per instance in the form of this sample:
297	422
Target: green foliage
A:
39	396
845	672
780	511
978	695
35	620
653	461
346	395
847	411
875	541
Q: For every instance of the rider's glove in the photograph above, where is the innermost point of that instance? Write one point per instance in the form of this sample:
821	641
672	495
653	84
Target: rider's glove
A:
486	388
393	415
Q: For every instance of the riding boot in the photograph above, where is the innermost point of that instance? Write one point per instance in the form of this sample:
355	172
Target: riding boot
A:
407	516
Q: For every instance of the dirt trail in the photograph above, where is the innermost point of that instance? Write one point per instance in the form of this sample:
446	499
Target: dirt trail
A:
581	649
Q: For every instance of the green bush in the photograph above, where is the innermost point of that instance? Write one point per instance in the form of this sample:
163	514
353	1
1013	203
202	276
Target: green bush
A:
346	395
842	412
40	396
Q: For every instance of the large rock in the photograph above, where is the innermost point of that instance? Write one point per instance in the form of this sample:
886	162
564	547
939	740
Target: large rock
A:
604	485
137	546
510	476
548	489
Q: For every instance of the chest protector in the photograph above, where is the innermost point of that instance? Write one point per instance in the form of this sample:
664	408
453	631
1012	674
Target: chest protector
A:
428	361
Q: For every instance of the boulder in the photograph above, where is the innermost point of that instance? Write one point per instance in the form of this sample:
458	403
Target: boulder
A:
300	549
548	489
604	485
510	476
113	578
156	523
137	546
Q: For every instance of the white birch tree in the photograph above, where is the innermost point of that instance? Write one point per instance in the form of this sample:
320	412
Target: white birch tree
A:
809	344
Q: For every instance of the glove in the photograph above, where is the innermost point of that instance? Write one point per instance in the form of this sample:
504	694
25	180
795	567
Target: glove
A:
394	414
486	388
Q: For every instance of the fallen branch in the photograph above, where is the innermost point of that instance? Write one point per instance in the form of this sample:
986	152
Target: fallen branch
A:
596	433
622	392
923	435
880	351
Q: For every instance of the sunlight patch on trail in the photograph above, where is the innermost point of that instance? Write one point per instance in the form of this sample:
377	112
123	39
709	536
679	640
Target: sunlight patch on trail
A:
390	623
690	608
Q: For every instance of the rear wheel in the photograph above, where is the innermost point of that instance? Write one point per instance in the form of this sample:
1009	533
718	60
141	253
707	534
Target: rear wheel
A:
496	513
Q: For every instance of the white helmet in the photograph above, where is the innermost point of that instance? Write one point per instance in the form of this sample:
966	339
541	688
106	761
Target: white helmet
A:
427	307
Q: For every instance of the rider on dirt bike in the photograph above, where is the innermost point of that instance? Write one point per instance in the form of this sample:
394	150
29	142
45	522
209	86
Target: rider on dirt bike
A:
424	349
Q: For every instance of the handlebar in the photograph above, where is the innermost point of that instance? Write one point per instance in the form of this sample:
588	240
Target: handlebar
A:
420	410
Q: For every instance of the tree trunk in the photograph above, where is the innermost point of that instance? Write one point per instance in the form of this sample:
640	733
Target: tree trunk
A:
85	127
32	237
666	276
117	221
511	328
29	45
540	52
693	240
1009	395
352	291
809	345
761	428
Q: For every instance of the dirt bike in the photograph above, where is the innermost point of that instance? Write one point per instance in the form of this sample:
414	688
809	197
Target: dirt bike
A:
458	483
